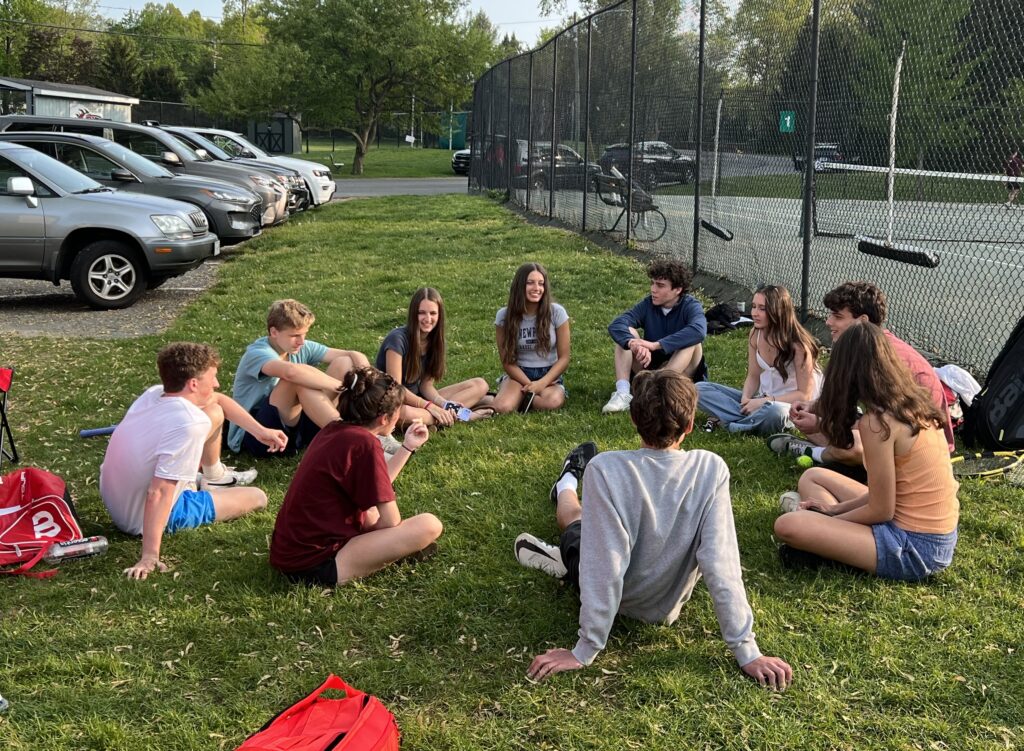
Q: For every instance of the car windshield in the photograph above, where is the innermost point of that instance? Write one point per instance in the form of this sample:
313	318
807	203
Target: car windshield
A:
50	170
187	148
205	143
241	143
137	164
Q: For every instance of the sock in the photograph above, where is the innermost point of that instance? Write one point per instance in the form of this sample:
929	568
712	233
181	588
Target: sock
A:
568	482
817	452
214	471
622	386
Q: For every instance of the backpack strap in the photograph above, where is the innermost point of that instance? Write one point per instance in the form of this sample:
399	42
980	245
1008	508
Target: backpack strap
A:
23	569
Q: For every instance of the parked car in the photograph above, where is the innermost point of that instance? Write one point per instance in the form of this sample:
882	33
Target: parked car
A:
232	212
656	163
163	148
56	223
298	196
460	161
826	158
570	169
318	178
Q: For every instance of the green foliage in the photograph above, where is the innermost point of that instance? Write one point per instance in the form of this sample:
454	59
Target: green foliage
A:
120	66
202	656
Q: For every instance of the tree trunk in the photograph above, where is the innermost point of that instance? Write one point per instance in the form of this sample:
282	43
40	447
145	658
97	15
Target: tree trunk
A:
357	161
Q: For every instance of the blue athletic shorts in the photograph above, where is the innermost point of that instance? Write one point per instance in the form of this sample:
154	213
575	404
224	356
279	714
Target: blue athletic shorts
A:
194	508
910	556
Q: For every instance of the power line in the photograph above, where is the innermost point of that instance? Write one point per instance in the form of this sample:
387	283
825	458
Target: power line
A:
132	34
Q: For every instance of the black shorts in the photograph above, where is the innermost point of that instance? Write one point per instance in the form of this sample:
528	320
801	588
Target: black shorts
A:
569	547
854	472
324	575
299	435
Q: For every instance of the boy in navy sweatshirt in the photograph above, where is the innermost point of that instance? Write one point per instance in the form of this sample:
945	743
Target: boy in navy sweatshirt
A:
673	327
655	521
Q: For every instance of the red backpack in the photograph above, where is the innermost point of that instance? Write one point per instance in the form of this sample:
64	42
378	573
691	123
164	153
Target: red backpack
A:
35	512
359	722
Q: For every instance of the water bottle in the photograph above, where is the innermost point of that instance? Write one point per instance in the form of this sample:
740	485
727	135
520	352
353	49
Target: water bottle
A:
86	547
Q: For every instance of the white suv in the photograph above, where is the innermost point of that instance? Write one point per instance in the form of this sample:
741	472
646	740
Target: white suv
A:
317	177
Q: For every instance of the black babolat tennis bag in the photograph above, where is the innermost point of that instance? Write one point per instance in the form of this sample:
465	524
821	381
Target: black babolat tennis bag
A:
995	420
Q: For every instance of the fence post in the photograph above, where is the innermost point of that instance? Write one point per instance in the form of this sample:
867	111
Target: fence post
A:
699	145
586	123
508	135
529	136
812	118
632	124
554	122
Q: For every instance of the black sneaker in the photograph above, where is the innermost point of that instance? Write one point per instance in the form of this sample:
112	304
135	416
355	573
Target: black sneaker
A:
575	462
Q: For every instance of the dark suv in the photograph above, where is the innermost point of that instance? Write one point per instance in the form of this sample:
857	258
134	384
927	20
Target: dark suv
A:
570	169
233	212
656	162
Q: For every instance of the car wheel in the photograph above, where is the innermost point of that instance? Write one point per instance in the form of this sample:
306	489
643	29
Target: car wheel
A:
650	181
108	275
537	183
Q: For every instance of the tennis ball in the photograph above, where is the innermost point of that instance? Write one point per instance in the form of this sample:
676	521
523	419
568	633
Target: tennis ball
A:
804	461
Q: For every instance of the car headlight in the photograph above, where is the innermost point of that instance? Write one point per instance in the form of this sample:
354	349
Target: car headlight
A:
227	195
321	173
172	226
262	180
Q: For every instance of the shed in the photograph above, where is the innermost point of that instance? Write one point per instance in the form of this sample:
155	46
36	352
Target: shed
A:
23	96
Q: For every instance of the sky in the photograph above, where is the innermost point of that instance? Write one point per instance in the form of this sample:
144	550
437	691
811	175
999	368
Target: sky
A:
521	19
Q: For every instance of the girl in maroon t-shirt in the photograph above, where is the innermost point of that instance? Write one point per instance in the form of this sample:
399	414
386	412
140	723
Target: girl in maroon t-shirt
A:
339	520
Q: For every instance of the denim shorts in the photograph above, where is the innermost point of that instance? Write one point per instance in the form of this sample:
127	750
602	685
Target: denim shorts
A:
535	374
910	556
194	508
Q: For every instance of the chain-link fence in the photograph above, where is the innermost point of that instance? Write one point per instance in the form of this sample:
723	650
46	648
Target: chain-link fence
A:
903	116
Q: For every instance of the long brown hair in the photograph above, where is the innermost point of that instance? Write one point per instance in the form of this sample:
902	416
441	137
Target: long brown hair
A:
516	309
433	367
784	331
864	368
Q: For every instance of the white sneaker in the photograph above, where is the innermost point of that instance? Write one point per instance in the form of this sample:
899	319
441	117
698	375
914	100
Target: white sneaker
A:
789	501
389	444
230	478
618	403
533	552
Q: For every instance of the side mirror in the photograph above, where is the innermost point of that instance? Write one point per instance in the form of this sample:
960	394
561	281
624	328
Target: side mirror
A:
169	157
20	186
246	154
203	154
122	174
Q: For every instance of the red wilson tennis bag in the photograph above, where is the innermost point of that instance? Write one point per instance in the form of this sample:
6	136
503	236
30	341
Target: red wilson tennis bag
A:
35	512
359	722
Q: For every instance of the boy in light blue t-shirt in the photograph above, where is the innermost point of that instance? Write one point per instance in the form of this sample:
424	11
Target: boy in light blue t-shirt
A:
279	383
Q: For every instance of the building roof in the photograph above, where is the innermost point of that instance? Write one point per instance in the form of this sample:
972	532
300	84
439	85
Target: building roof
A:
65	90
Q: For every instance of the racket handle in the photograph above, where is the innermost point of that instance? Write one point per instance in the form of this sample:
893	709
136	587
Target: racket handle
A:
92	432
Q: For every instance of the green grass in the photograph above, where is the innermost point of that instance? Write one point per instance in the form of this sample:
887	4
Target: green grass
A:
386	161
200	657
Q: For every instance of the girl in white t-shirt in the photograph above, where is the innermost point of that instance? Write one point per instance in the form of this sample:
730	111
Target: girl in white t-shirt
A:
533	343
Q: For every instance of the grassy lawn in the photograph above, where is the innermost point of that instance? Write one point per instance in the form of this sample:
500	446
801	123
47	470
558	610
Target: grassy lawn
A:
386	161
200	657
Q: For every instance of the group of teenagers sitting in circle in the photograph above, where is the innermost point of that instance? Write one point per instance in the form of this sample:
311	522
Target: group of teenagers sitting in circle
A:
653	521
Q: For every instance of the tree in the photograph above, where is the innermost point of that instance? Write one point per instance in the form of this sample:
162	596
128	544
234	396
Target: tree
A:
162	83
368	57
120	65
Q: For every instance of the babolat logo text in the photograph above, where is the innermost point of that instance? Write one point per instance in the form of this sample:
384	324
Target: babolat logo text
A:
1009	396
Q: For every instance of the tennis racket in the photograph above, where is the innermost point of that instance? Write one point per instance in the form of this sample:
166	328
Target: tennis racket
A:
986	463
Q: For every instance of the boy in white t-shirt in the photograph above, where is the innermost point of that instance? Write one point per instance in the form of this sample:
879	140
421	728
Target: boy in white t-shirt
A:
148	476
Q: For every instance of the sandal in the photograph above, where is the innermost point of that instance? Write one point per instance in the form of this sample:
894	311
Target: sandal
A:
481	413
711	424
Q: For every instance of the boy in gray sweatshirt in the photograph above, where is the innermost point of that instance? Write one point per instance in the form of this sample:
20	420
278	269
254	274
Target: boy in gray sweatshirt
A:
656	520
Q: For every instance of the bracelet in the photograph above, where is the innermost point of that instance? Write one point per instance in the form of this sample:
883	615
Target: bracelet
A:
411	451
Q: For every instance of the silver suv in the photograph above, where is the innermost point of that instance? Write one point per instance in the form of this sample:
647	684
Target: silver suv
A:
56	223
